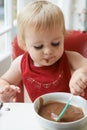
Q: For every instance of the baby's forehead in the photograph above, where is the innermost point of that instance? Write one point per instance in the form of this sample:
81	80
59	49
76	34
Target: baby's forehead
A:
43	34
44	28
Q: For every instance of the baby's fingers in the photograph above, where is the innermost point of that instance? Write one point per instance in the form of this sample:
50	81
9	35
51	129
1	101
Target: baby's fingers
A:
9	88
76	90
15	88
13	99
4	89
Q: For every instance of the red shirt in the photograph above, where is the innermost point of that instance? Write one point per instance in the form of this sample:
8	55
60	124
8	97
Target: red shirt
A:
47	79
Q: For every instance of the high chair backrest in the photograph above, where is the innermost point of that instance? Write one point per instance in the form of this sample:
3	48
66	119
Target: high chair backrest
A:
75	41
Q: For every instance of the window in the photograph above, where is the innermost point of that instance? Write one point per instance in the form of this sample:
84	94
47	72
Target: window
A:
7	16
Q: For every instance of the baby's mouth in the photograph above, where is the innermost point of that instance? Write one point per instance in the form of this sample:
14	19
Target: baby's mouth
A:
48	60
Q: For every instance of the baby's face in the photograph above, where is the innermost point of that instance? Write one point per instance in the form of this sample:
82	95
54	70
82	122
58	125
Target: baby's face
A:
44	47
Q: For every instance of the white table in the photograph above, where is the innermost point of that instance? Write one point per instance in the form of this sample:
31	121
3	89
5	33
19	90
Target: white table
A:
19	117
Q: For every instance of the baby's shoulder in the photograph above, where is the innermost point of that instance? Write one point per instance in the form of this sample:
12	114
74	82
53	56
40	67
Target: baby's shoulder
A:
75	59
18	59
73	54
17	62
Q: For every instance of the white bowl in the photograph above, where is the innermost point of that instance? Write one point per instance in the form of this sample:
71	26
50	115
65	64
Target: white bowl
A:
62	97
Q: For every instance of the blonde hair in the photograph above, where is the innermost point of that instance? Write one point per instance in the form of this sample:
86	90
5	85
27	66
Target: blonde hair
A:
39	15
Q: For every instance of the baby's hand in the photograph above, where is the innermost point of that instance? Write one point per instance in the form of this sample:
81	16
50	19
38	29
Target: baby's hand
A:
8	93
78	83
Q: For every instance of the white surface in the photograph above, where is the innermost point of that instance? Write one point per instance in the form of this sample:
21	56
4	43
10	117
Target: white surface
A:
20	117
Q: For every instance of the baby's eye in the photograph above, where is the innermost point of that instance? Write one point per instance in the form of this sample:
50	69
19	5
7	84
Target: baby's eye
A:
38	47
55	43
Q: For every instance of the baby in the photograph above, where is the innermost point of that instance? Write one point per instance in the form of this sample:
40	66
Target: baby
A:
45	66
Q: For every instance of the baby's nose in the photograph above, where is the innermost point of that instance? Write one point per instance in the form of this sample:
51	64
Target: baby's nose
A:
47	51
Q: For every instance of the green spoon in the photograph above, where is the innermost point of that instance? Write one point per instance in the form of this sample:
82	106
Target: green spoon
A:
57	118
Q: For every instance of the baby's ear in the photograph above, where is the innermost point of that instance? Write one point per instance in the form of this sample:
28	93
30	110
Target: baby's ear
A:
24	46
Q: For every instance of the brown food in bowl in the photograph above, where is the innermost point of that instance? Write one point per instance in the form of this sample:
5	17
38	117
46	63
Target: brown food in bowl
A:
73	113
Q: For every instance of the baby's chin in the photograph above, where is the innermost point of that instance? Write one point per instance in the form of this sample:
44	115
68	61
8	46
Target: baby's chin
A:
49	63
44	64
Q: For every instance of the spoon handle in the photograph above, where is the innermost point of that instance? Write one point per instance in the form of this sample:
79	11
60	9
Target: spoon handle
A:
64	109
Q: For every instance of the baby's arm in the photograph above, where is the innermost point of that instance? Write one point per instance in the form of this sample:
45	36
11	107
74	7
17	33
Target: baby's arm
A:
9	82
78	82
